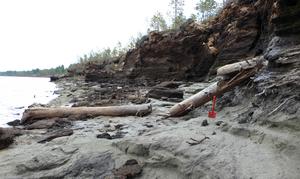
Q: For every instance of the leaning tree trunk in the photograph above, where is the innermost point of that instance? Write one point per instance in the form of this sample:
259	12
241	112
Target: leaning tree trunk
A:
206	95
33	114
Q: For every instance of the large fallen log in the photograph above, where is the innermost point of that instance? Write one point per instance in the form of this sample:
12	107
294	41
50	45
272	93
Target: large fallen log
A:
215	89
239	66
33	114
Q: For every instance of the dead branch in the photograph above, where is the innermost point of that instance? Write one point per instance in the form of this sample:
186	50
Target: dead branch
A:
283	103
196	142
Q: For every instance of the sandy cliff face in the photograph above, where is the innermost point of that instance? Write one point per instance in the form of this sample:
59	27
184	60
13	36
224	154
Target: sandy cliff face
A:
241	30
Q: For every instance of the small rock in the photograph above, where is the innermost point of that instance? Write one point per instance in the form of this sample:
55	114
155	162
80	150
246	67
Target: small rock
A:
130	169
218	123
204	123
118	135
119	126
56	134
14	123
131	162
148	125
214	133
165	93
104	136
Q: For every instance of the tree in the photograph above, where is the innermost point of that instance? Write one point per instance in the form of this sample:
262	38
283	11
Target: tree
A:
177	12
206	8
193	17
158	22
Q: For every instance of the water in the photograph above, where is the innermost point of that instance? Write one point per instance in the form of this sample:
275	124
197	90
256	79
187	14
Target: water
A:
16	93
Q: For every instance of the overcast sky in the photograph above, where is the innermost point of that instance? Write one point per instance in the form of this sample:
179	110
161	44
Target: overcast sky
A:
48	33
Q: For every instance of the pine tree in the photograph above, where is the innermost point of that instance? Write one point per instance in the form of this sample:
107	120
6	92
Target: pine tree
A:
158	22
177	12
206	8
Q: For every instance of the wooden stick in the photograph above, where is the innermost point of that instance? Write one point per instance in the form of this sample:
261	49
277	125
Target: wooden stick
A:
196	142
278	107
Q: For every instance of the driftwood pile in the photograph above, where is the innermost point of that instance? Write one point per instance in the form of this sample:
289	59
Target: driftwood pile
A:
232	74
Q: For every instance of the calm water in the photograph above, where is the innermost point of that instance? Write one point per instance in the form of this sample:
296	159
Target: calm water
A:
16	93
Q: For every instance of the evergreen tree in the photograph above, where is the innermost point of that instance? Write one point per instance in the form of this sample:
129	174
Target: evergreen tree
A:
177	12
206	8
158	22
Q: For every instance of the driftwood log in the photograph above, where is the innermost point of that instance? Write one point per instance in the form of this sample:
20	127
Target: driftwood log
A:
33	114
215	89
239	66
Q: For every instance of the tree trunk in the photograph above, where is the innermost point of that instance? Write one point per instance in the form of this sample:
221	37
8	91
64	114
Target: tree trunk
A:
33	114
237	67
206	95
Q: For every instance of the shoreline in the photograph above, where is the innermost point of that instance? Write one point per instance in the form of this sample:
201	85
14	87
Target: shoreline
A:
159	147
42	94
27	76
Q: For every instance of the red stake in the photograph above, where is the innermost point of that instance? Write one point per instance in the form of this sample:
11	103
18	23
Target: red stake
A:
212	113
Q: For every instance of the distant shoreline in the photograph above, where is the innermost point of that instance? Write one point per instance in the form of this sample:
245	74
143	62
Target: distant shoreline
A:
25	76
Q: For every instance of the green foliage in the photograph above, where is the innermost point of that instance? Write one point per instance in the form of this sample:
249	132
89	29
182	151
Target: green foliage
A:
60	70
193	17
104	56
206	9
134	41
177	13
180	19
158	22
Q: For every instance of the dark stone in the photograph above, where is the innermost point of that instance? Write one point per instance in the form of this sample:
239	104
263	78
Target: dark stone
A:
131	162
107	125
159	93
214	133
148	125
119	126
7	136
104	136
56	134
54	78
119	134
204	123
130	169
14	123
168	84
218	123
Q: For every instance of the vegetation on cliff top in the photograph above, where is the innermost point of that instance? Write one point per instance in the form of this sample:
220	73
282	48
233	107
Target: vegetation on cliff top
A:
205	10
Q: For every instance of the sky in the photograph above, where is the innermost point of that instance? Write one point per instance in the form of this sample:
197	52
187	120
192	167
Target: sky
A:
47	33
